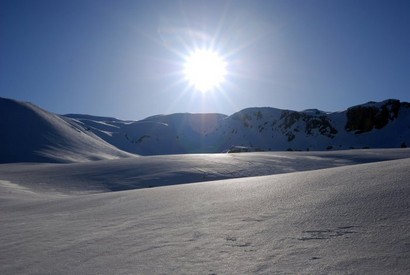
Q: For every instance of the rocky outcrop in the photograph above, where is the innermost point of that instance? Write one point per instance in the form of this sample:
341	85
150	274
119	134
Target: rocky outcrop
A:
320	123
366	117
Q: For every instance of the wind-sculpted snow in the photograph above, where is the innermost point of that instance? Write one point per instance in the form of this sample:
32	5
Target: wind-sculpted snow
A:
31	134
154	171
352	219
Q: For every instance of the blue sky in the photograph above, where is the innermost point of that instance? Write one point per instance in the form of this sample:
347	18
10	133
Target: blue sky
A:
124	58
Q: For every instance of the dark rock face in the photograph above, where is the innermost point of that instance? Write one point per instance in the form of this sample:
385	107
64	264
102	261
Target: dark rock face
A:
289	118
321	123
365	118
312	122
360	119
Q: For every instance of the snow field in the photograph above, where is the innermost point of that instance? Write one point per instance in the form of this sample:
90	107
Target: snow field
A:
346	219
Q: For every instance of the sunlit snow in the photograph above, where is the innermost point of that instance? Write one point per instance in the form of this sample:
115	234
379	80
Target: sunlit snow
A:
346	219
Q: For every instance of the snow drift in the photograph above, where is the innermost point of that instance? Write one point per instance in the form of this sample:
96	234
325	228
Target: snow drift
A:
352	219
155	171
31	134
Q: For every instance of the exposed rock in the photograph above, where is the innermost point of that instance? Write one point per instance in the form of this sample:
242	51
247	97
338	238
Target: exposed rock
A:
321	123
289	118
364	118
312	122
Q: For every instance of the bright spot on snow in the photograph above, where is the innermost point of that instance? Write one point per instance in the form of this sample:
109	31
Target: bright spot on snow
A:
205	70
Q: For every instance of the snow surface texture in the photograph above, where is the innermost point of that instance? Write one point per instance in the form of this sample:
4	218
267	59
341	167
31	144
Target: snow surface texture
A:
349	219
154	171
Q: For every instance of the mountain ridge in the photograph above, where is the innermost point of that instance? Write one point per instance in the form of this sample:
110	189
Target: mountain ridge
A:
82	137
268	128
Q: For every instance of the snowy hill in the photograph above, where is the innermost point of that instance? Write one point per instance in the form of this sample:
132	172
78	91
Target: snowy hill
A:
31	134
372	125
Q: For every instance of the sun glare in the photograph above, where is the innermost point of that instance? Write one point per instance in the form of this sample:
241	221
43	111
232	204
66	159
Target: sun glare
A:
205	70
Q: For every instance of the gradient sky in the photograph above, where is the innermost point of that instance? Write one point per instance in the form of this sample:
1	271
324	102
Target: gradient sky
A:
124	58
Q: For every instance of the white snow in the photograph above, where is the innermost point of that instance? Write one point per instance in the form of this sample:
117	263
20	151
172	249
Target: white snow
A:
153	171
349	219
31	134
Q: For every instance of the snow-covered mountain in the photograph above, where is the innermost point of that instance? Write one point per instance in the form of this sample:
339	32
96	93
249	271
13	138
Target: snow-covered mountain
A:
31	134
157	135
371	125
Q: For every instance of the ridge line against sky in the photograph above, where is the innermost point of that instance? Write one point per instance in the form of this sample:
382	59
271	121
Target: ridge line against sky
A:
125	58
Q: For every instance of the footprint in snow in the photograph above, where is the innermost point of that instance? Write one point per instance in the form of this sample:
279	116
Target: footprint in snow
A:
327	233
233	242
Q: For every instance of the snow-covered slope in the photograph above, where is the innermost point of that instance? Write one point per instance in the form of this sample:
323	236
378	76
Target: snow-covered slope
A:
344	220
31	134
157	135
372	125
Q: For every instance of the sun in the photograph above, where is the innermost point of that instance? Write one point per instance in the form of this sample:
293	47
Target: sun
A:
205	70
